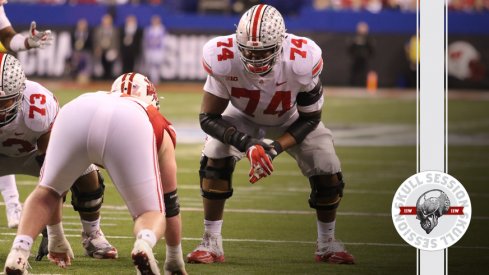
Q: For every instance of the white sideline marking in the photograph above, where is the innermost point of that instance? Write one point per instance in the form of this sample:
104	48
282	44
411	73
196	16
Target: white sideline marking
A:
106	209
280	241
258	188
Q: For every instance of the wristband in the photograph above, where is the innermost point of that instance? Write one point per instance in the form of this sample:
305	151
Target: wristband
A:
278	148
18	43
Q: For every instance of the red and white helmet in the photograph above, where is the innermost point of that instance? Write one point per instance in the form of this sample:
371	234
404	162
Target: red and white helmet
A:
12	86
261	29
137	85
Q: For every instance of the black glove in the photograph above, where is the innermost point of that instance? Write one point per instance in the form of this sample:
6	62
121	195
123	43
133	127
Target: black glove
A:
43	246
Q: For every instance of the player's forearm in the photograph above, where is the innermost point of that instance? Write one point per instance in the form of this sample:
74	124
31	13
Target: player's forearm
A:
286	141
305	124
217	127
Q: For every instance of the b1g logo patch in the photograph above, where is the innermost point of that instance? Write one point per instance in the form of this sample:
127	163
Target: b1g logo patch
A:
431	210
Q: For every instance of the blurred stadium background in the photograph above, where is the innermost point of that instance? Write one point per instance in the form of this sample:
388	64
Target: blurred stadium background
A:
269	227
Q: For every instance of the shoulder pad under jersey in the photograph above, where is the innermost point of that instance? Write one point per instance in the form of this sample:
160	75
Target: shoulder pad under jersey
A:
305	57
39	107
218	55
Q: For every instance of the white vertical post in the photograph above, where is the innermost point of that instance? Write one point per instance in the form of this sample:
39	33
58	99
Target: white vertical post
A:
431	128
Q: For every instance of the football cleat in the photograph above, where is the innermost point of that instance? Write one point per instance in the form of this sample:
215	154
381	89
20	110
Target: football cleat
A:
13	214
16	263
97	246
144	259
333	252
209	251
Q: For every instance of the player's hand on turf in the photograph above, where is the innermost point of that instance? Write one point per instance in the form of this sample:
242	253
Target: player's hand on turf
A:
62	260
260	163
60	252
38	39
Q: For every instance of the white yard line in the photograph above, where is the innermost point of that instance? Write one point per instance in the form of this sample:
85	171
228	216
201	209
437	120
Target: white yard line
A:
111	209
258	188
278	241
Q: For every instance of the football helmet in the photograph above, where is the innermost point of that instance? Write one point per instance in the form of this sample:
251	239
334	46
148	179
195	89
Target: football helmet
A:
260	33
12	86
137	85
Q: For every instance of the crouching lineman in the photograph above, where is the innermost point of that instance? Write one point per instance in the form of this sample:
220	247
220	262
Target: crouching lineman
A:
27	111
264	83
138	165
13	41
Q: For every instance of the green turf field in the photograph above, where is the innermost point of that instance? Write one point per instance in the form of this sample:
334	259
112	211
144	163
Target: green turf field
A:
269	227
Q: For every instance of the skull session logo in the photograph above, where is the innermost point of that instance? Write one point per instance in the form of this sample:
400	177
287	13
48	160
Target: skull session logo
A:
428	210
431	210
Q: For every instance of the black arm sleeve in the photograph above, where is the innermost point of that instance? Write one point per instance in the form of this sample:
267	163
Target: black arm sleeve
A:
217	127
306	123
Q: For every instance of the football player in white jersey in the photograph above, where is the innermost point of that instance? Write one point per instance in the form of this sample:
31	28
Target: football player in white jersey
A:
27	111
263	84
126	134
13	41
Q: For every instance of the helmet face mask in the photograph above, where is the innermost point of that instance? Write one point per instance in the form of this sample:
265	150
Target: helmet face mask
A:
12	85
137	85
258	61
9	107
259	35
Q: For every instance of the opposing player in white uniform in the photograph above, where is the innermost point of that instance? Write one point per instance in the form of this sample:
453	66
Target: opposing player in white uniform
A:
263	83
27	112
11	40
127	136
135	84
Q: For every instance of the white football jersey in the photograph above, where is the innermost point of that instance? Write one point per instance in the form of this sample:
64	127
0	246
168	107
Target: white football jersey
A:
35	117
268	100
4	22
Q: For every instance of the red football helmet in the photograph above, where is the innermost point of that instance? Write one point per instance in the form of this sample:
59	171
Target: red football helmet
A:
137	85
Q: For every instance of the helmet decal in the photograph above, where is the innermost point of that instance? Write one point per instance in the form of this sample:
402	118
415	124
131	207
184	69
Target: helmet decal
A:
256	22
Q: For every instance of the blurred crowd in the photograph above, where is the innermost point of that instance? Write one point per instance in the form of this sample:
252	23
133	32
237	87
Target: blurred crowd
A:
286	7
97	50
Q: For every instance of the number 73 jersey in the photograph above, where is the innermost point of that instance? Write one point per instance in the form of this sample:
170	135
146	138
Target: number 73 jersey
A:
35	117
269	100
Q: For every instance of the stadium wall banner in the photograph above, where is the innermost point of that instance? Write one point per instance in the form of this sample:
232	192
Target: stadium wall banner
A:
307	19
183	52
181	61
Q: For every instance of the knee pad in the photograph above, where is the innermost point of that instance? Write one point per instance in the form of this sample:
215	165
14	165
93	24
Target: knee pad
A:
215	183
172	205
88	202
326	191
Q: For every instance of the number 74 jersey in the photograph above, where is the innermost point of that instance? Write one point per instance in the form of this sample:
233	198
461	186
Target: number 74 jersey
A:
34	118
269	100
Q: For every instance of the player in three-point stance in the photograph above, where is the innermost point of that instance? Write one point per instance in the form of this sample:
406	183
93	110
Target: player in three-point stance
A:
263	83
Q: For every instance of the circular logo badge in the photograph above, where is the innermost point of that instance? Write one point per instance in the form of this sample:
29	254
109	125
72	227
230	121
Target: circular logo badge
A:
431	210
